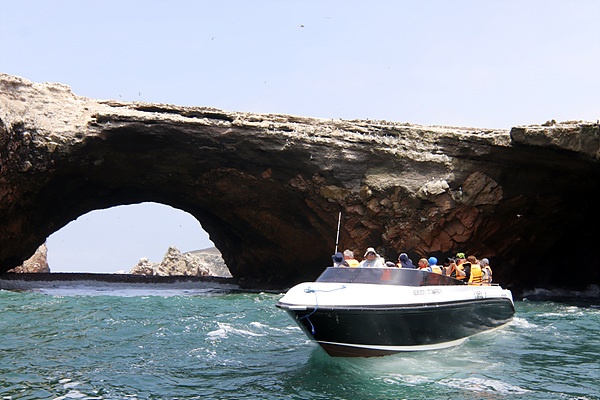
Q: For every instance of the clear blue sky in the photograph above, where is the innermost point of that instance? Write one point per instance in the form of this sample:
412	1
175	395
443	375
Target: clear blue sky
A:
469	63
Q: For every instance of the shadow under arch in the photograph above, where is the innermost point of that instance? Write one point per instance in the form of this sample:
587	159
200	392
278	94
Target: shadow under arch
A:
265	229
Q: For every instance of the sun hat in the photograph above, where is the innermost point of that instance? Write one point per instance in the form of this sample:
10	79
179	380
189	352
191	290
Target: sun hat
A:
338	257
370	250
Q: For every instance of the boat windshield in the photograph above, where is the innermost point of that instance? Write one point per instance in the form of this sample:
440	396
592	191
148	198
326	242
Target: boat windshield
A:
386	276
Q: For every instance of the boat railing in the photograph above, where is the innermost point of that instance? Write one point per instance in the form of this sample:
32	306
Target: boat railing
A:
386	276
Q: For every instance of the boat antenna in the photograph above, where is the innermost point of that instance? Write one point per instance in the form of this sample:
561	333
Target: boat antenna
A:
337	239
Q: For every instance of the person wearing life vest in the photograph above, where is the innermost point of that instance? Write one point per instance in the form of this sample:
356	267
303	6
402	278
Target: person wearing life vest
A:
433	265
476	277
487	271
463	267
349	258
451	270
424	265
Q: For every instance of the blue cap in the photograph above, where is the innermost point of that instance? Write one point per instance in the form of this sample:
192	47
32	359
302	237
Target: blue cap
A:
432	261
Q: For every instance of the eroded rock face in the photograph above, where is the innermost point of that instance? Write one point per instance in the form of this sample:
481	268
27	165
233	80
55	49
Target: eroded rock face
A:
268	188
198	263
36	264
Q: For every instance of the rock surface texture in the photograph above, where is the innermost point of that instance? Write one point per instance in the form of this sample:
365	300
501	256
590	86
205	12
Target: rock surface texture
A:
36	264
206	262
268	188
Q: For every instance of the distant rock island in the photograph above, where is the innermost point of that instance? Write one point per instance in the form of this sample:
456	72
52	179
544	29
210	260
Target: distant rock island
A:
206	262
201	269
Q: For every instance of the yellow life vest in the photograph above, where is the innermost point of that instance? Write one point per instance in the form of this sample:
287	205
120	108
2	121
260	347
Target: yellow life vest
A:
436	269
476	275
352	262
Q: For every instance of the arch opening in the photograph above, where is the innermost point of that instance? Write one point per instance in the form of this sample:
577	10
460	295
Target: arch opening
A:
114	240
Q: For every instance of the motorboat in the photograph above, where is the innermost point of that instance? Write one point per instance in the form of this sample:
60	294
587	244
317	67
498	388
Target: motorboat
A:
362	312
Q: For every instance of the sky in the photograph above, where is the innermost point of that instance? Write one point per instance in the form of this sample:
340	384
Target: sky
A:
485	64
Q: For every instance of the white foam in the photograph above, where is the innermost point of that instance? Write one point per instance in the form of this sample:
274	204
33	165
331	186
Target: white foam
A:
523	323
406	380
70	385
476	384
227	329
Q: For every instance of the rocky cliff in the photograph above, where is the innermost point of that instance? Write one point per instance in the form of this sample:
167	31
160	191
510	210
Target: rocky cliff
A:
269	188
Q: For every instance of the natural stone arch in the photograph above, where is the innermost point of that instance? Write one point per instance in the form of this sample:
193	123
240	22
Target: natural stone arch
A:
117	239
268	188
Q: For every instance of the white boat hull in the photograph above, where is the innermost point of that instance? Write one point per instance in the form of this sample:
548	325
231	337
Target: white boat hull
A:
368	319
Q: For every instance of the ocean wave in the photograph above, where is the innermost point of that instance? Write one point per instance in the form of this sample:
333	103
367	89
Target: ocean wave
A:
476	384
406	380
225	330
72	393
523	323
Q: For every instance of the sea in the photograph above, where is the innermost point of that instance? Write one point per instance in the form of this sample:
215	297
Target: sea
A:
86	342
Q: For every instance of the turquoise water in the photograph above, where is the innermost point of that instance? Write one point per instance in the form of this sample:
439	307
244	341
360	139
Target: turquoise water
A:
179	344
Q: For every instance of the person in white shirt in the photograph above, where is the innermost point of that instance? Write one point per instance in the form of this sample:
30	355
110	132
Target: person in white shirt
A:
372	259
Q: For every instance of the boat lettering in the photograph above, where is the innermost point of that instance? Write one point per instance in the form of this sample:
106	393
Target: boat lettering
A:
479	294
423	292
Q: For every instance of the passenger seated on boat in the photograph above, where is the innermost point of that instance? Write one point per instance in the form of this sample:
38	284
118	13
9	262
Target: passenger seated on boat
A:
464	266
424	265
451	270
349	258
436	269
405	262
372	259
338	260
487	271
476	277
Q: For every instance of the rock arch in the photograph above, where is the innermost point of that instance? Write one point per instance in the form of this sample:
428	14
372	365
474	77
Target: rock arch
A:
268	188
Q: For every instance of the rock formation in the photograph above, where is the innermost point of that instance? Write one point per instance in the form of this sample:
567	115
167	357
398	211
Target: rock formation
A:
174	263
268	188
212	260
36	264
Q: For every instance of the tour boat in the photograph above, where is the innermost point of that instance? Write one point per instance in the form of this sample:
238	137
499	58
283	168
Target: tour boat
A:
354	312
